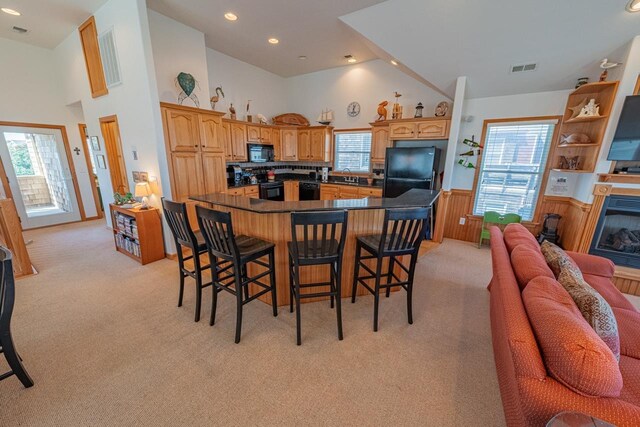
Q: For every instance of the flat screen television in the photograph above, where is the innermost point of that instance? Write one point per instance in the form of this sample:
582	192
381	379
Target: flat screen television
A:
626	142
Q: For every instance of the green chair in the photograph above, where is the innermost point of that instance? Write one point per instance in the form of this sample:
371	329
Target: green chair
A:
492	217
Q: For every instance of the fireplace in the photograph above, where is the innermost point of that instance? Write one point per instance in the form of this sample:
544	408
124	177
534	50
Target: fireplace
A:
617	235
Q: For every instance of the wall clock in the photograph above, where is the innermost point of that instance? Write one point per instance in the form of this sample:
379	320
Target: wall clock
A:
353	109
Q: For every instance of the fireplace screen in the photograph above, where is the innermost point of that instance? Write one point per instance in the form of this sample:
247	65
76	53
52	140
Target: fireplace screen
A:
617	234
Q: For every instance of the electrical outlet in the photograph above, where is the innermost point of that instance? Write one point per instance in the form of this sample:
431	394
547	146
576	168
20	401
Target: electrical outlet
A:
463	220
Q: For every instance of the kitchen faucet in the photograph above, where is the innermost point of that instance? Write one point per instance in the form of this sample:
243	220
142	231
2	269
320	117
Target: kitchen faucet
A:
350	177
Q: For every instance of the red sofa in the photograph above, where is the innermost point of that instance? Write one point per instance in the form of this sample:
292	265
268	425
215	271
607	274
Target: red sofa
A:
530	396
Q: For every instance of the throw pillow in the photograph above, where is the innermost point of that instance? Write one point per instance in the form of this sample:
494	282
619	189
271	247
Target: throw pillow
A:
572	352
556	257
594	308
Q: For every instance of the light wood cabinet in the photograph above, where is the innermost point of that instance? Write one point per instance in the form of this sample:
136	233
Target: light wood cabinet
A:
329	192
197	142
369	192
265	135
349	192
337	191
225	135
253	192
236	191
291	191
319	145
304	141
138	234
182	128
253	134
187	175
379	143
433	129
419	129
238	142
210	129
277	144
212	164
92	58
289	142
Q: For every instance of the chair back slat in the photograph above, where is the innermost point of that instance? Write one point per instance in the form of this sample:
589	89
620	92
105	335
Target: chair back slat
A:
217	230
403	230
323	233
176	216
7	288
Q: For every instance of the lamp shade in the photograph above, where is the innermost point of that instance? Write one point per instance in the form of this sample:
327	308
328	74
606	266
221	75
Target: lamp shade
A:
142	189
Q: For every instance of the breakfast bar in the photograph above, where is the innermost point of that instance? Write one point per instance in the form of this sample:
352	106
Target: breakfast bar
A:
271	220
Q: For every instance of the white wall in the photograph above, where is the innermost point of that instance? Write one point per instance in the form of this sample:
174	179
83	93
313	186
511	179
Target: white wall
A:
31	93
501	107
135	102
241	81
178	48
368	83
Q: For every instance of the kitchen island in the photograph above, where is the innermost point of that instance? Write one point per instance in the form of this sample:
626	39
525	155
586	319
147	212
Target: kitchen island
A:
271	220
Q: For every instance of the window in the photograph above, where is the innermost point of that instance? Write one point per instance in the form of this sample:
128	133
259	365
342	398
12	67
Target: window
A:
353	151
513	162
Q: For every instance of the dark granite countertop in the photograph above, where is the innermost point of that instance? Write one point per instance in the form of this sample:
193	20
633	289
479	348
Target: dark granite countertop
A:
411	199
377	183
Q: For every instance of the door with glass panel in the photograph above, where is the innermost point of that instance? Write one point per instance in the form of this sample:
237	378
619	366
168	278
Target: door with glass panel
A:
40	179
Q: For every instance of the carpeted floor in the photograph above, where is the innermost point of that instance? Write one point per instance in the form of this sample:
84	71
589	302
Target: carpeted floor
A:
106	345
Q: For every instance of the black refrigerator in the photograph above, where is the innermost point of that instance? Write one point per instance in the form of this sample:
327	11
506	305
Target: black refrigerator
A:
410	167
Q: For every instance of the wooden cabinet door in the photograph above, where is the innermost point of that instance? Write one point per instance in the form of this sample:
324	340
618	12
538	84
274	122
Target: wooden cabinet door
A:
367	192
329	192
236	191
187	175
402	130
318	145
253	134
277	143
289	144
238	141
225	136
304	139
291	191
182	130
210	129
265	135
214	175
436	129
379	144
349	192
253	192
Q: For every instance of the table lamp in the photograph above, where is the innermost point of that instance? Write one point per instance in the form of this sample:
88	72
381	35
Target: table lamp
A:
143	190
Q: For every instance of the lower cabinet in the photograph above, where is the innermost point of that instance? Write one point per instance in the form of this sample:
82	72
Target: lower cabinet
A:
336	191
251	191
291	191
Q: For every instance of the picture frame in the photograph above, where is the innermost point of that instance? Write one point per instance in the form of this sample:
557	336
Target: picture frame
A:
95	143
101	162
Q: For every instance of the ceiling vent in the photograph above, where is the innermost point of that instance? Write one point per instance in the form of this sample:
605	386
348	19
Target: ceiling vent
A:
19	30
521	68
109	56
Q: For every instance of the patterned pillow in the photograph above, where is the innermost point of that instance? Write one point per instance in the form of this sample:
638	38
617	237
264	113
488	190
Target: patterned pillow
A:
556	258
595	309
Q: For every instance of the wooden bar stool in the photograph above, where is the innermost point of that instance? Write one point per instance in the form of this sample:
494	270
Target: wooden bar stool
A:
7	298
402	233
184	237
230	254
321	244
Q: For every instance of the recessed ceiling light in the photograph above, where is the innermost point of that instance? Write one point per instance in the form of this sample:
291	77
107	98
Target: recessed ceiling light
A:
633	6
231	16
394	62
302	57
273	40
10	11
350	59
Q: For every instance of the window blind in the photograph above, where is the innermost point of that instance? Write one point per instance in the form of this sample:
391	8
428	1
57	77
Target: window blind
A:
513	162
352	151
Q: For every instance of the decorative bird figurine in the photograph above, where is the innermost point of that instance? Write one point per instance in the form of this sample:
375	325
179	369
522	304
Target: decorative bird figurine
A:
606	65
215	98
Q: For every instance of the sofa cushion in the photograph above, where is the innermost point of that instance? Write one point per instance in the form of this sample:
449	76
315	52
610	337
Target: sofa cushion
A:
630	369
516	234
608	291
572	351
555	257
528	263
629	329
594	308
592	264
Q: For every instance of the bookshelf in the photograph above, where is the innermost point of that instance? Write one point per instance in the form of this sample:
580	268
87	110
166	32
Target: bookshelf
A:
137	233
604	93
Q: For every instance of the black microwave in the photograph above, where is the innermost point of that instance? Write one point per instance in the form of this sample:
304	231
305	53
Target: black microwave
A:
260	153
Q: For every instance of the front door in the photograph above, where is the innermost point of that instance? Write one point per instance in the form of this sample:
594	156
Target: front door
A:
41	182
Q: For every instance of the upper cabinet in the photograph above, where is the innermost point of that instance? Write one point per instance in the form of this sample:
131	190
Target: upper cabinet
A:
182	129
314	143
210	129
253	134
239	142
304	141
277	145
437	128
379	143
289	143
225	129
92	59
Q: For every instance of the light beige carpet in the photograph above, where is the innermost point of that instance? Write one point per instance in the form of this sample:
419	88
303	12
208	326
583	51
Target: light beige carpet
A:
106	345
